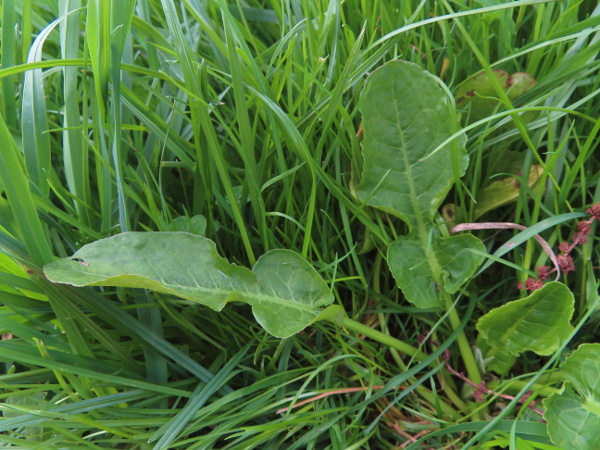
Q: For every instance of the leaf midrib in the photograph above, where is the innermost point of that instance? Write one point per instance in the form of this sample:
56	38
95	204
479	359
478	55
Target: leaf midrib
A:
409	176
250	297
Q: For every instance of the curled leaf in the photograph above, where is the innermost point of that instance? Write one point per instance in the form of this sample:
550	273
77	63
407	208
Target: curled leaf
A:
479	93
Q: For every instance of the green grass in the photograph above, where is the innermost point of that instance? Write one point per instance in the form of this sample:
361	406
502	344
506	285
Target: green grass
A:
247	113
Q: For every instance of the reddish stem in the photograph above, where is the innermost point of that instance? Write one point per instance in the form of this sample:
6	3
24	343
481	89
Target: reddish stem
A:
509	225
482	389
328	393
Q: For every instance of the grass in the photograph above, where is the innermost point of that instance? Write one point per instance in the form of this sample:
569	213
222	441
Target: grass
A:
122	116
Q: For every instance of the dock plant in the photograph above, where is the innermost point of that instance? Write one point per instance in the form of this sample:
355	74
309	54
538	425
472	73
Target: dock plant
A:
333	225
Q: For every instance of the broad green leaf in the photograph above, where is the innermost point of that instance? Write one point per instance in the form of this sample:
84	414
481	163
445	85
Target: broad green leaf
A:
407	115
573	415
413	265
582	370
539	323
26	226
285	292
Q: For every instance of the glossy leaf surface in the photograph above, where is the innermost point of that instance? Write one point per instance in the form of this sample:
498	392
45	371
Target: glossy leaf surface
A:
285	292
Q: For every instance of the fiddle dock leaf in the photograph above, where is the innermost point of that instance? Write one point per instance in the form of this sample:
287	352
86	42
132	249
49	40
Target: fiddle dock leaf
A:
573	415
284	290
407	115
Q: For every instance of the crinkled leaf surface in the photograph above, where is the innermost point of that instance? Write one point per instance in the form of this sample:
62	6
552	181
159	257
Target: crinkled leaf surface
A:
573	415
539	322
285	292
406	116
413	264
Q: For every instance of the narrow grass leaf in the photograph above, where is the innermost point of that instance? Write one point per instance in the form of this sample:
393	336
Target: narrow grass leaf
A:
8	59
36	141
13	354
169	432
20	199
75	152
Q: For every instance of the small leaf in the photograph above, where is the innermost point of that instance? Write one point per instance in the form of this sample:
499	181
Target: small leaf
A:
410	261
333	313
286	293
406	116
194	224
480	85
519	83
479	93
573	415
539	323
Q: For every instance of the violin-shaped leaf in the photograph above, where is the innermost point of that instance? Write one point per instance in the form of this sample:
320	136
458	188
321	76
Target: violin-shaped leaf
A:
284	290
